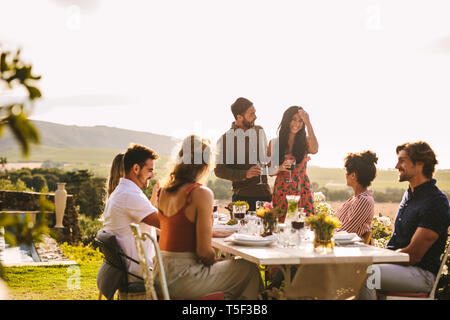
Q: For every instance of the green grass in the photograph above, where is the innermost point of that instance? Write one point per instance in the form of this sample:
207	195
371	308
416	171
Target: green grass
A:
52	282
76	282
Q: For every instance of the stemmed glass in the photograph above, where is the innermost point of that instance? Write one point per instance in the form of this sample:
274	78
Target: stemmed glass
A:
291	168
263	166
239	214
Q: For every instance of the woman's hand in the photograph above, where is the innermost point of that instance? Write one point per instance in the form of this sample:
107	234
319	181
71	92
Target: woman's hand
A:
222	233
304	116
311	140
284	166
154	197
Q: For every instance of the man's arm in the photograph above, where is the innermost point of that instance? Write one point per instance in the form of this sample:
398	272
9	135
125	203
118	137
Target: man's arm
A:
421	241
224	171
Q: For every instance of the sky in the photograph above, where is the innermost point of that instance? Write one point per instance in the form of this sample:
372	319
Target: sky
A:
371	74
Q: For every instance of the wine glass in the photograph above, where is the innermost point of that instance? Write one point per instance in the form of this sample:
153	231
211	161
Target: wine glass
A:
263	166
239	214
291	168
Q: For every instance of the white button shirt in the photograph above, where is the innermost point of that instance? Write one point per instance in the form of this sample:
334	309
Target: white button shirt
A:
128	204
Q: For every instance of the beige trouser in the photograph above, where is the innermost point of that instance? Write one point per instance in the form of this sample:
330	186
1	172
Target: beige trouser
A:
400	278
187	278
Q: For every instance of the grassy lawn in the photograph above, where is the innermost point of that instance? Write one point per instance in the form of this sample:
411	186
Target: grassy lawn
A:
76	282
53	282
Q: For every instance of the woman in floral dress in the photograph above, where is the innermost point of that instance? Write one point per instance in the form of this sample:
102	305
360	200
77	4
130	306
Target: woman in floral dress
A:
295	141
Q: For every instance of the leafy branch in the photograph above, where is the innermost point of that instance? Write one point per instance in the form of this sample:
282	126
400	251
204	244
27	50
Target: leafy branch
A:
15	75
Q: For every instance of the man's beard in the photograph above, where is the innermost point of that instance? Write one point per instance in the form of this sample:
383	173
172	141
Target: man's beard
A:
247	124
403	177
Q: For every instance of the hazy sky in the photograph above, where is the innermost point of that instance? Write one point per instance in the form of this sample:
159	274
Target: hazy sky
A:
371	74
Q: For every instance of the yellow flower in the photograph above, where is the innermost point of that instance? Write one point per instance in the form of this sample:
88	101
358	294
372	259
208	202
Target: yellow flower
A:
261	212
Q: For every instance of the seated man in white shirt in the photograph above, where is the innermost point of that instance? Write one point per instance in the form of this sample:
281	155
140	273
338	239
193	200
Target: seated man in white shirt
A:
128	204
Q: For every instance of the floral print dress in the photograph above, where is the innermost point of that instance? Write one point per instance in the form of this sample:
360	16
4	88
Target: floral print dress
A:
300	185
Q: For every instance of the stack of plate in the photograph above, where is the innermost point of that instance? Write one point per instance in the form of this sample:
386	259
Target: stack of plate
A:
344	237
251	240
226	227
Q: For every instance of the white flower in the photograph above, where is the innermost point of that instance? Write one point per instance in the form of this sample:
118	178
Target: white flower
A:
445	270
319	197
385	221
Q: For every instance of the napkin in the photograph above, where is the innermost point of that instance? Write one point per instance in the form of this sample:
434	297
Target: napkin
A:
343	235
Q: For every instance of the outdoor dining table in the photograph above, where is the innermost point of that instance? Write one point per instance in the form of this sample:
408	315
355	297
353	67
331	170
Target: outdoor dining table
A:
304	255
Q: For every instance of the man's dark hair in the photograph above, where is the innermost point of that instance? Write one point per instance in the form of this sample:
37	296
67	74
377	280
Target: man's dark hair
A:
363	164
240	106
137	154
420	151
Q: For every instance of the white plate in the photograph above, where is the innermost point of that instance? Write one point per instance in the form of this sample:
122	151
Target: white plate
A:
225	227
348	241
252	243
240	239
344	236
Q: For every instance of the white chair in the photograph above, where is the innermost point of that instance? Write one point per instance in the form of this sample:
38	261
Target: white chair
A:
388	295
139	238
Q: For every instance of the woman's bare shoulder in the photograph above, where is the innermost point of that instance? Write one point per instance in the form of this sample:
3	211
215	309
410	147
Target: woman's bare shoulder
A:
202	192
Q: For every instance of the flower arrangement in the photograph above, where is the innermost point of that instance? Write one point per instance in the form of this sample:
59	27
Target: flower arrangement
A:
324	207
269	216
323	225
381	230
230	206
319	197
241	203
320	204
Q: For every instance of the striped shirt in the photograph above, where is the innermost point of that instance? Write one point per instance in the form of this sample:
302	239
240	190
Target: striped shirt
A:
356	213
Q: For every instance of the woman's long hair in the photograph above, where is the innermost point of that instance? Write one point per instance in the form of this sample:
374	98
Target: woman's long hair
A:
299	148
116	172
194	161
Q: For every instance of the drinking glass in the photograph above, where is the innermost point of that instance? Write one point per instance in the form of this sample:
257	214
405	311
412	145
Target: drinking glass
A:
292	206
252	225
283	235
263	166
259	204
239	214
302	221
291	168
216	211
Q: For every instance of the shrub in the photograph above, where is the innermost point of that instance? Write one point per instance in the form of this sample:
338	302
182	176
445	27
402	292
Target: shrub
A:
89	228
81	253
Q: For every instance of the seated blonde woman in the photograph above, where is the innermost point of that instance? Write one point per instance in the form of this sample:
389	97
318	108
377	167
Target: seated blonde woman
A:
356	213
185	215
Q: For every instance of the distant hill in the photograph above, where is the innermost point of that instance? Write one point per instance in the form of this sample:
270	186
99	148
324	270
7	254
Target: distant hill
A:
76	147
98	137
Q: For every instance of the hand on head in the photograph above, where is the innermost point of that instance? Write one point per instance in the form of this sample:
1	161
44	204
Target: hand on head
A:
304	115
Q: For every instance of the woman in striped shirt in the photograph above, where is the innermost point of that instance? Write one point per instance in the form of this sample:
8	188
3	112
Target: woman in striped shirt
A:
356	213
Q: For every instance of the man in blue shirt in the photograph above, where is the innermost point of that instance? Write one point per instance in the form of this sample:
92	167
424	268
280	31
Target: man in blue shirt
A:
421	225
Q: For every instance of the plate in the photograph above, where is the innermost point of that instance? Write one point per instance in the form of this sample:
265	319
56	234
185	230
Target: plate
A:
253	243
345	236
226	227
348	241
250	242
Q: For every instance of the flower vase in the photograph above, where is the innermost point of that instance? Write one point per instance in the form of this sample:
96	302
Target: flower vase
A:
323	242
60	204
269	226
